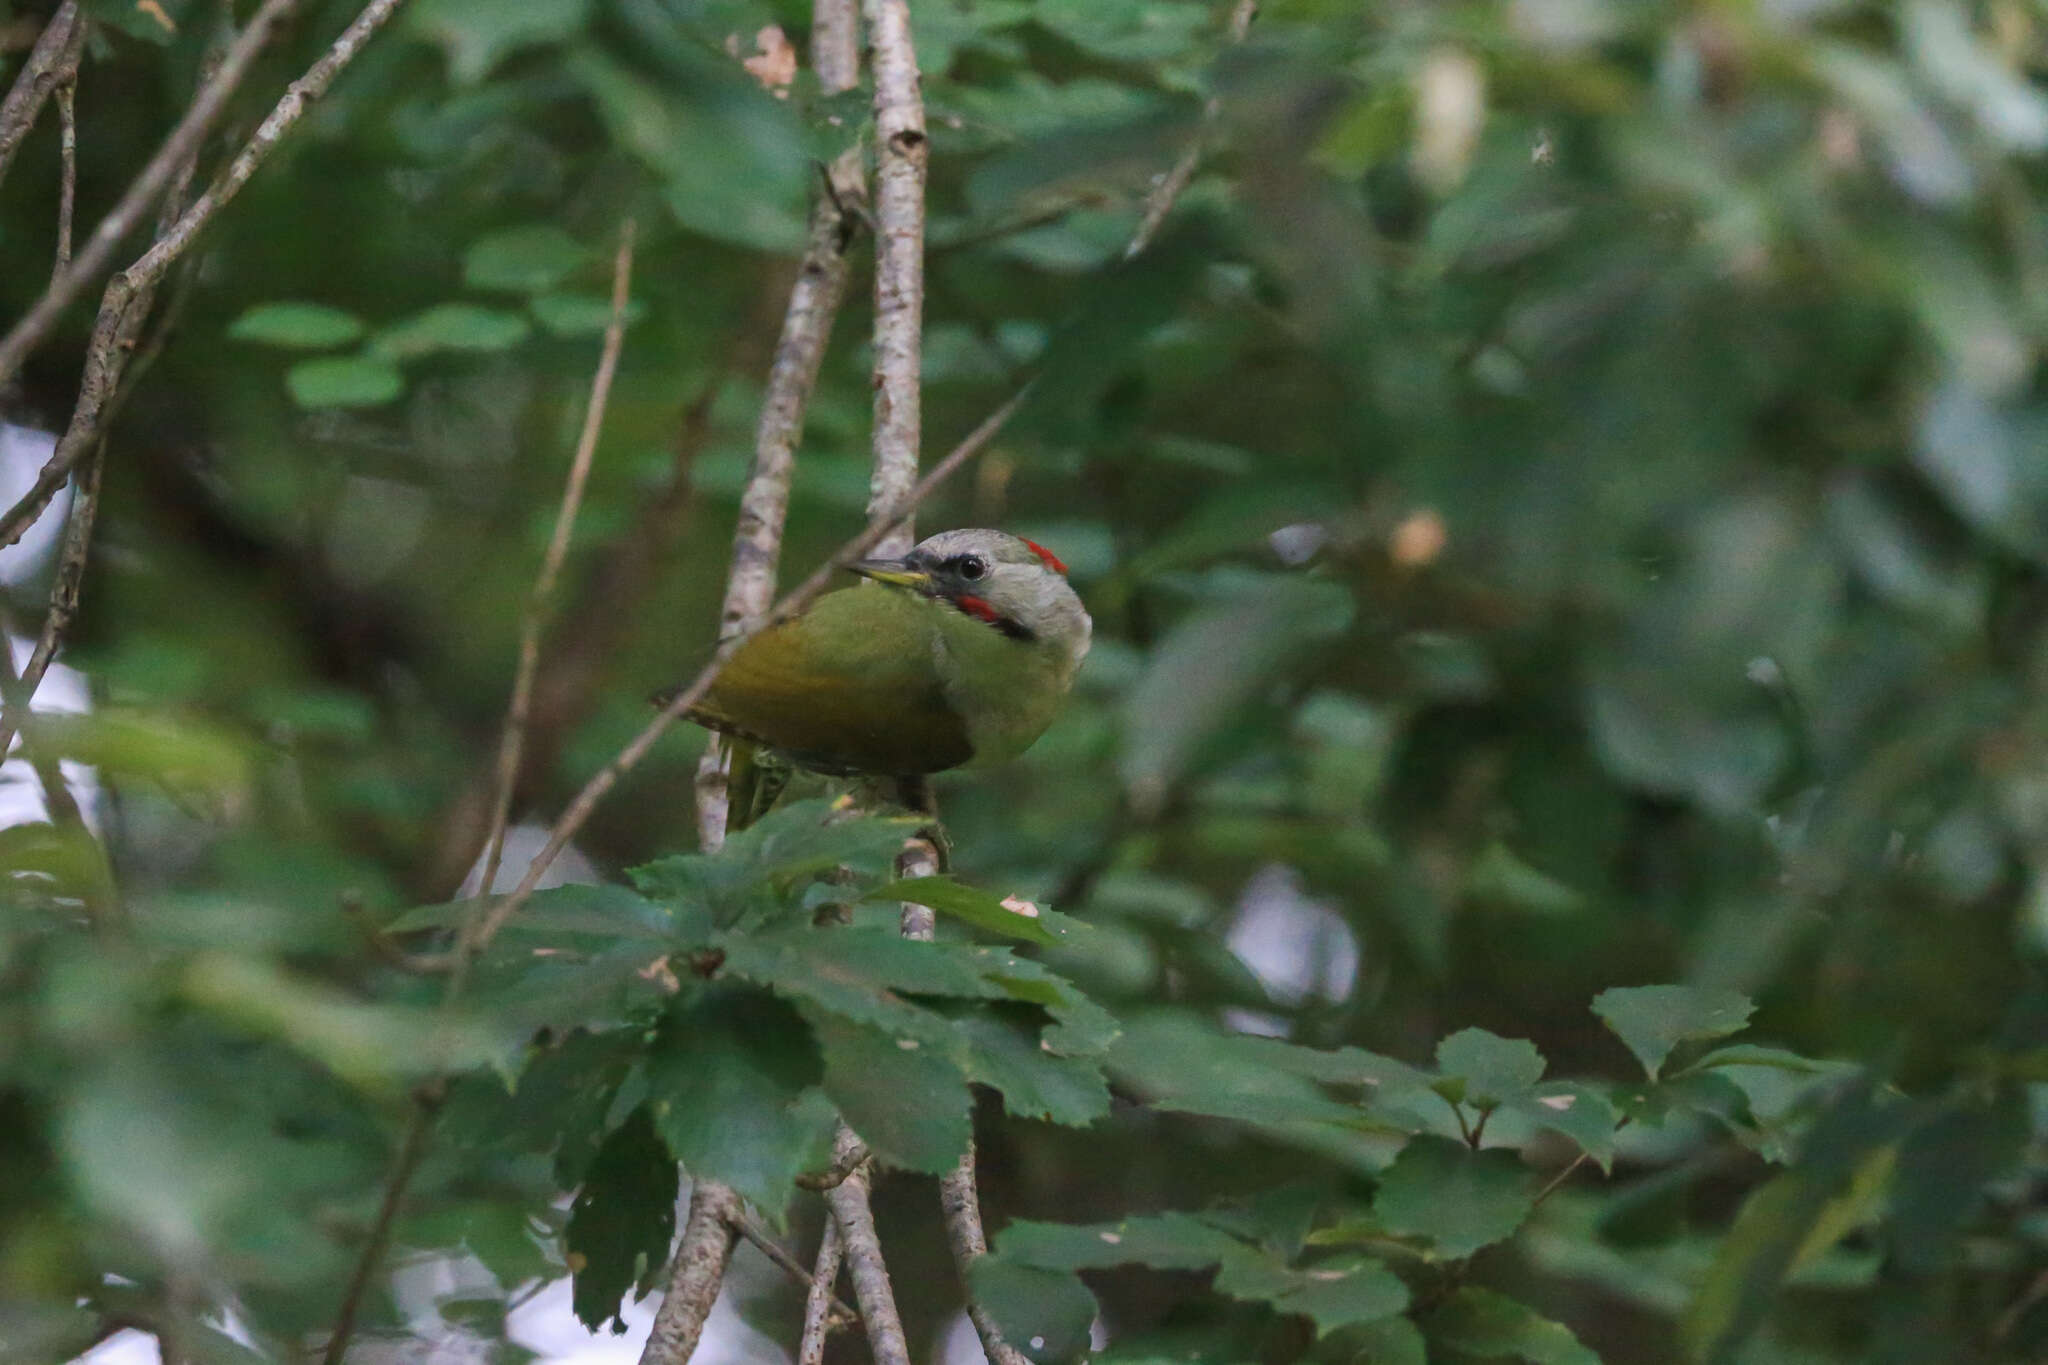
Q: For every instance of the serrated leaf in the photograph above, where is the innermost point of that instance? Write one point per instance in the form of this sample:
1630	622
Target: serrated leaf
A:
968	904
580	315
1460	1199
760	872
1046	1314
622	1220
723	1078
1494	1069
1164	1241
557	1103
1190	1066
1483	1323
1035	1083
523	260
303	326
905	1099
450	327
343	382
1652	1020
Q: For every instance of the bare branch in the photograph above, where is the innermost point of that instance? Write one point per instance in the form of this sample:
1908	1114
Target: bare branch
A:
856	1219
636	749
901	153
799	351
817	1303
102	369
67	174
540	600
52	63
960	1205
763	1242
418	1127
182	144
14	708
716	1212
1167	191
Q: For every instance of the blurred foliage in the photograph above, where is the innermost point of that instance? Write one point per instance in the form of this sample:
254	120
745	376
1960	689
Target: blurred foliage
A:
1565	489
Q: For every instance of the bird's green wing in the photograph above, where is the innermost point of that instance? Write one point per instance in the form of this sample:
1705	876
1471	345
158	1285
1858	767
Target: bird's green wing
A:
849	686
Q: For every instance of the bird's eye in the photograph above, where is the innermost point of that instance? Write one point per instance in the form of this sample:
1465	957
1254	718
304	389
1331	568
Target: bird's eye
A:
973	567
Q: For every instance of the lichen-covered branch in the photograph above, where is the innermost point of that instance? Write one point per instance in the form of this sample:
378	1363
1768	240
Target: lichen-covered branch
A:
708	1234
818	1302
103	365
52	64
799	351
540	599
855	1215
67	169
901	153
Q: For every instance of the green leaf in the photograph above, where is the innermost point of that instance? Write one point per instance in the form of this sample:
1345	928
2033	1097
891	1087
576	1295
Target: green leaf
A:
1460	1199
580	315
1188	1065
522	260
723	1079
478	34
1046	1314
300	326
1035	1083
1652	1020
1483	1323
1494	1069
970	905
905	1099
1164	1241
558	1103
1343	1293
343	382
450	327
1390	1341
762	870
1578	1112
622	1220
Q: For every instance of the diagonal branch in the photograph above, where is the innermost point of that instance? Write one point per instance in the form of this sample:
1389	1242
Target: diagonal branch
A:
182	144
52	64
818	1302
1159	203
540	600
716	1213
799	352
103	366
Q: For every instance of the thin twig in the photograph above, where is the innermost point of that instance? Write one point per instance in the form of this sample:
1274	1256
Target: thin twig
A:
51	64
534	621
855	1216
1556	1182
67	167
103	366
585	801
960	1204
14	704
183	143
418	1127
817	1303
901	153
799	351
1167	191
716	1213
763	1242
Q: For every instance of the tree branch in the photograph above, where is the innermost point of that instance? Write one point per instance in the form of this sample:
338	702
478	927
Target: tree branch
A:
901	154
960	1204
418	1128
67	162
836	1311
716	1213
817	1303
182	145
1159	203
799	351
103	368
856	1219
540	600
52	64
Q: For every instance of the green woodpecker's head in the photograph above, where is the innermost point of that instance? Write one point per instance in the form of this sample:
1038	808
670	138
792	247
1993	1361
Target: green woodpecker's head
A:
1013	585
